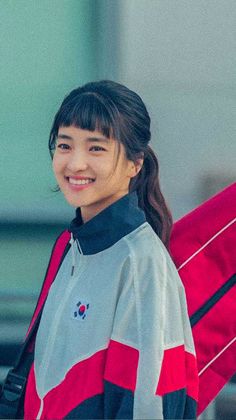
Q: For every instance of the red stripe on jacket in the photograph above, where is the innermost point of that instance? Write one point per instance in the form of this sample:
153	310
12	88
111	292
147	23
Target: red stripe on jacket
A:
178	371
121	365
84	380
117	364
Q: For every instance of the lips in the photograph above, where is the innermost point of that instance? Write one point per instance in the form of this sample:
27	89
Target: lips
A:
79	182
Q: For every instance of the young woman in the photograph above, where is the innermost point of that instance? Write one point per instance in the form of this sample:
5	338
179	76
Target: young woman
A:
110	337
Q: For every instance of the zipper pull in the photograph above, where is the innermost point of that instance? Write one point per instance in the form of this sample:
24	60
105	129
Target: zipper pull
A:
73	254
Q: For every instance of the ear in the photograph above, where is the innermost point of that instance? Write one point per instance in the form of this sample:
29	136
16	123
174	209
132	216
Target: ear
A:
136	167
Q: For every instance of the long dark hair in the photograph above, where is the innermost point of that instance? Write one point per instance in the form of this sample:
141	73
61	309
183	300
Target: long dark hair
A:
118	112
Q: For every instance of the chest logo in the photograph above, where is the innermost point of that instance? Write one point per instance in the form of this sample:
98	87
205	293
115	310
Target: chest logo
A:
81	310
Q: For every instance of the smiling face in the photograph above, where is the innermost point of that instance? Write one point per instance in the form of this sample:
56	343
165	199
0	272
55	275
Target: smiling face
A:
90	171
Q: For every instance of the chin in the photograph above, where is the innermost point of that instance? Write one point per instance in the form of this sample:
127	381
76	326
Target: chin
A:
72	201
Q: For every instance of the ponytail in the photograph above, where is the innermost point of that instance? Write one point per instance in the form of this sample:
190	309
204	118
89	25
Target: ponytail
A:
150	197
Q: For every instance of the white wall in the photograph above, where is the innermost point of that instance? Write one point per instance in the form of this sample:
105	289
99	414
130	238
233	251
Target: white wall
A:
180	56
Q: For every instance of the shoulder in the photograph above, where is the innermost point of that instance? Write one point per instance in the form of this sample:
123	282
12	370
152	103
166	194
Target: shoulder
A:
150	258
143	244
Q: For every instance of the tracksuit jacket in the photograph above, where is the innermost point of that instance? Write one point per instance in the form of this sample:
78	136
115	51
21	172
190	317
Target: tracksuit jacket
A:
114	339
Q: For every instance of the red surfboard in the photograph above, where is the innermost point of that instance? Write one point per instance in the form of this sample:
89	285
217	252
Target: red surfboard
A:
203	247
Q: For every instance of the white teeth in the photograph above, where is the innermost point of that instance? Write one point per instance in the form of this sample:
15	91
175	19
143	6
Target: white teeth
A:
79	181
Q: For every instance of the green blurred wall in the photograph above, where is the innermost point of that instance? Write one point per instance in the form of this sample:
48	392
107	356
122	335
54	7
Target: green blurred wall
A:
47	48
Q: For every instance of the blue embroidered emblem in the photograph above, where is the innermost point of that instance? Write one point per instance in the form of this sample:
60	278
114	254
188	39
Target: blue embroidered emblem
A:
81	312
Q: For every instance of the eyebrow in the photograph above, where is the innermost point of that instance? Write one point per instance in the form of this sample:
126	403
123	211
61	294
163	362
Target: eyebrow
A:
87	139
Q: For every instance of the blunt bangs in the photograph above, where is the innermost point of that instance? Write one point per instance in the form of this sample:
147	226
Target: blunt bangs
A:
88	111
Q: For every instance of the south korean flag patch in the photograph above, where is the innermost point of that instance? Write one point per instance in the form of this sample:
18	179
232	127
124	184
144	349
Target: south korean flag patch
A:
80	310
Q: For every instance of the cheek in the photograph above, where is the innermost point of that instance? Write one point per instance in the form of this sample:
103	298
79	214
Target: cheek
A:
58	161
57	166
102	168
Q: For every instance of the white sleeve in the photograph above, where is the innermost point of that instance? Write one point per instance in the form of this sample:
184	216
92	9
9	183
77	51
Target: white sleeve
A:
155	368
165	343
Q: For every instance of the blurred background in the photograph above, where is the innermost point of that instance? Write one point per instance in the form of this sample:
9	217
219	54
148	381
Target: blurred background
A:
179	55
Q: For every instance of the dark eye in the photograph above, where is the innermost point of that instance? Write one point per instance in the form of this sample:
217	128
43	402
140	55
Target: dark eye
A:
63	146
96	149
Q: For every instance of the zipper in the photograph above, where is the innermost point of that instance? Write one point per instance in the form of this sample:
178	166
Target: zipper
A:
40	409
57	318
199	314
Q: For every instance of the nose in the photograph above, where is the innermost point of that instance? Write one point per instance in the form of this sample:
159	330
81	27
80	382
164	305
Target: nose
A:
77	162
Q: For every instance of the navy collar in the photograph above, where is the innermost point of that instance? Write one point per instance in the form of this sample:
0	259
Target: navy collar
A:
108	226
